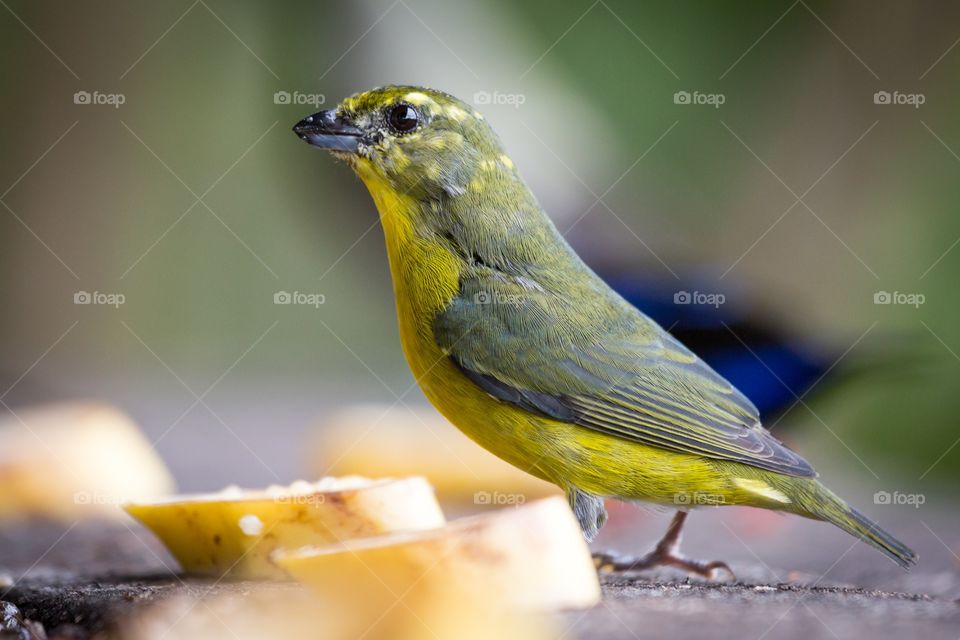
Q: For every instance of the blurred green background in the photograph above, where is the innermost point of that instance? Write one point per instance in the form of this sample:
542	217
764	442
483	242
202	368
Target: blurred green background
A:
194	201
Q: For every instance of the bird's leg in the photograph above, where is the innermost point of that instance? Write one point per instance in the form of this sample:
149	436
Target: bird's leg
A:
666	553
589	511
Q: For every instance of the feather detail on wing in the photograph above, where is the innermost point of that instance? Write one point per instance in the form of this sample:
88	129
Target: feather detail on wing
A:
622	375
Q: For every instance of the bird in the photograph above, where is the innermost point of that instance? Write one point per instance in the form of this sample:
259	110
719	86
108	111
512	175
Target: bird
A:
518	342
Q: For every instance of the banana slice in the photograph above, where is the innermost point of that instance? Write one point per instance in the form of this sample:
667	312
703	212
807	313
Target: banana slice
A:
268	610
68	461
399	441
528	557
277	612
234	531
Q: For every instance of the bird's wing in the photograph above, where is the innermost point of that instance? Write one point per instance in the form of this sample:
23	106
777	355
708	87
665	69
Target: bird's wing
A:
603	365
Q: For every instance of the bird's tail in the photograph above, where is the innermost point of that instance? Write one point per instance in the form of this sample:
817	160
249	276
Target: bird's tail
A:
821	503
855	523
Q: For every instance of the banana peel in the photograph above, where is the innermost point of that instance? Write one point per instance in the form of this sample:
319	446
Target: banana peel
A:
531	557
234	532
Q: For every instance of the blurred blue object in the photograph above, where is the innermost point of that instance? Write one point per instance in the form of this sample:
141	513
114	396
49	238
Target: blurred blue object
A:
773	369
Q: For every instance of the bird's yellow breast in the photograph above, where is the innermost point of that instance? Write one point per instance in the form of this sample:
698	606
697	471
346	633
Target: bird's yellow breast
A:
426	278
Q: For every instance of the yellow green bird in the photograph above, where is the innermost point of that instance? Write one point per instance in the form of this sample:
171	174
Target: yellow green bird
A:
525	349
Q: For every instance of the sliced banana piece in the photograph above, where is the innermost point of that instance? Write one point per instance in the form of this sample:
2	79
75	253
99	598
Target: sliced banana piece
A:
234	531
530	557
400	441
277	610
73	460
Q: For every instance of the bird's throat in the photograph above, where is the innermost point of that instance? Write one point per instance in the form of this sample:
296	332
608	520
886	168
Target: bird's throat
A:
426	275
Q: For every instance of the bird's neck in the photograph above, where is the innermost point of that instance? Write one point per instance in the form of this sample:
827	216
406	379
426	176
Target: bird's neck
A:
426	275
497	223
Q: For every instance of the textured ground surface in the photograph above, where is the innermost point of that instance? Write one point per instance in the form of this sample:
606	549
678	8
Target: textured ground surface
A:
93	574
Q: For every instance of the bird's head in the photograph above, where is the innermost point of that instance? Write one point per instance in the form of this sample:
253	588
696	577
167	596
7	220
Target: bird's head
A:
416	141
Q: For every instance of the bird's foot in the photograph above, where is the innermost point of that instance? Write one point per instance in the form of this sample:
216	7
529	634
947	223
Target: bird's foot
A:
613	563
666	554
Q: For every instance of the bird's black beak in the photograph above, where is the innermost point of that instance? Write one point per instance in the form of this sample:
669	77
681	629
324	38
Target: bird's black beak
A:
327	131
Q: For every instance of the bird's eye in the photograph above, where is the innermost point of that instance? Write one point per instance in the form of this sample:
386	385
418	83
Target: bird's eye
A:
402	118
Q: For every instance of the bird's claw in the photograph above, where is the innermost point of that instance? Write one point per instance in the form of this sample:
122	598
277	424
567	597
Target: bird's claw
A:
713	569
605	562
611	563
